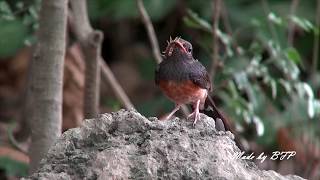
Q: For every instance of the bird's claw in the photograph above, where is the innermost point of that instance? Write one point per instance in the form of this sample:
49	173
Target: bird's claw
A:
190	115
197	117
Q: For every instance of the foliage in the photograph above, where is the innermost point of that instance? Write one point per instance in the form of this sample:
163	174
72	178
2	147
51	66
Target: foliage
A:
261	78
18	21
121	9
264	81
12	167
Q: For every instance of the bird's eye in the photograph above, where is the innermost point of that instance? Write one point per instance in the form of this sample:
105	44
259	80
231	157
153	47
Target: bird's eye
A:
187	48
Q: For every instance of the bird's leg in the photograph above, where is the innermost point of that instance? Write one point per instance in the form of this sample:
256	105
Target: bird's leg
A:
196	112
173	111
192	115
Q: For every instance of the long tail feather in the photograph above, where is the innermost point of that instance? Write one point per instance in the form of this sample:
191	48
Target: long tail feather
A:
222	123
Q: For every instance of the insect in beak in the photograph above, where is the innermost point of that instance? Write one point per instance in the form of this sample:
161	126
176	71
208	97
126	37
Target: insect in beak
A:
177	41
174	41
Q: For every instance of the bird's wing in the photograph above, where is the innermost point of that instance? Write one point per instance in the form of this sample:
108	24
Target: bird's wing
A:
199	75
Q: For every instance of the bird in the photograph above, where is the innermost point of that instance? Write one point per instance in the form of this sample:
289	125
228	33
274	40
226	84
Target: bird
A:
181	78
184	80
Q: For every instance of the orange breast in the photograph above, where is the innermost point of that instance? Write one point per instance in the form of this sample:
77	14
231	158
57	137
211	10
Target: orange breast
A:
183	92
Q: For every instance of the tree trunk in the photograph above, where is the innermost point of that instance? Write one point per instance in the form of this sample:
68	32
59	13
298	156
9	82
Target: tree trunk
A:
45	85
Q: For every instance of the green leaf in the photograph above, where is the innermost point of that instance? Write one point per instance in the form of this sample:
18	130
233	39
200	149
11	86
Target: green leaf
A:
287	86
288	67
255	22
5	11
113	9
12	35
233	90
191	23
259	125
293	55
4	7
275	19
33	12
246	116
241	80
193	20
159	8
273	85
302	23
20	5
305	92
274	47
316	106
226	40
311	110
120	9
12	167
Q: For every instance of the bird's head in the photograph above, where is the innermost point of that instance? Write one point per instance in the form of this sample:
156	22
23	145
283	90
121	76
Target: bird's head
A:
178	48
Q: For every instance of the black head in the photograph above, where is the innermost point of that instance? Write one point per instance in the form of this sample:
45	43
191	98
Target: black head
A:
178	49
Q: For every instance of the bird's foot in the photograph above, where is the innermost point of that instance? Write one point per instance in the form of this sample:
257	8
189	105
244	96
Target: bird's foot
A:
195	115
171	113
191	115
196	118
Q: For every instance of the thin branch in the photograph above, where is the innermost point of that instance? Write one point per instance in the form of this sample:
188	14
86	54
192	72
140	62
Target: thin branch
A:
108	76
90	41
81	28
291	28
151	33
315	55
92	50
154	41
215	41
14	142
24	128
80	21
227	25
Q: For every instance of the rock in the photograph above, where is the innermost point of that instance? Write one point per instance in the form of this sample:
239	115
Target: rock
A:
126	145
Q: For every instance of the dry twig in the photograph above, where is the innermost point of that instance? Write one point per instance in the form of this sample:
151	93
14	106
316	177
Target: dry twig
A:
215	41
227	25
151	33
293	9
315	55
272	29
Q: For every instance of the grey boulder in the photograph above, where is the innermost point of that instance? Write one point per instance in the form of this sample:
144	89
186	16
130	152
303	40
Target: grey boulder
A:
127	145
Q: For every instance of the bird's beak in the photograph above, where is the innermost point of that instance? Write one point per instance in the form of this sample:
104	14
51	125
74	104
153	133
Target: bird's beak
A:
177	42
